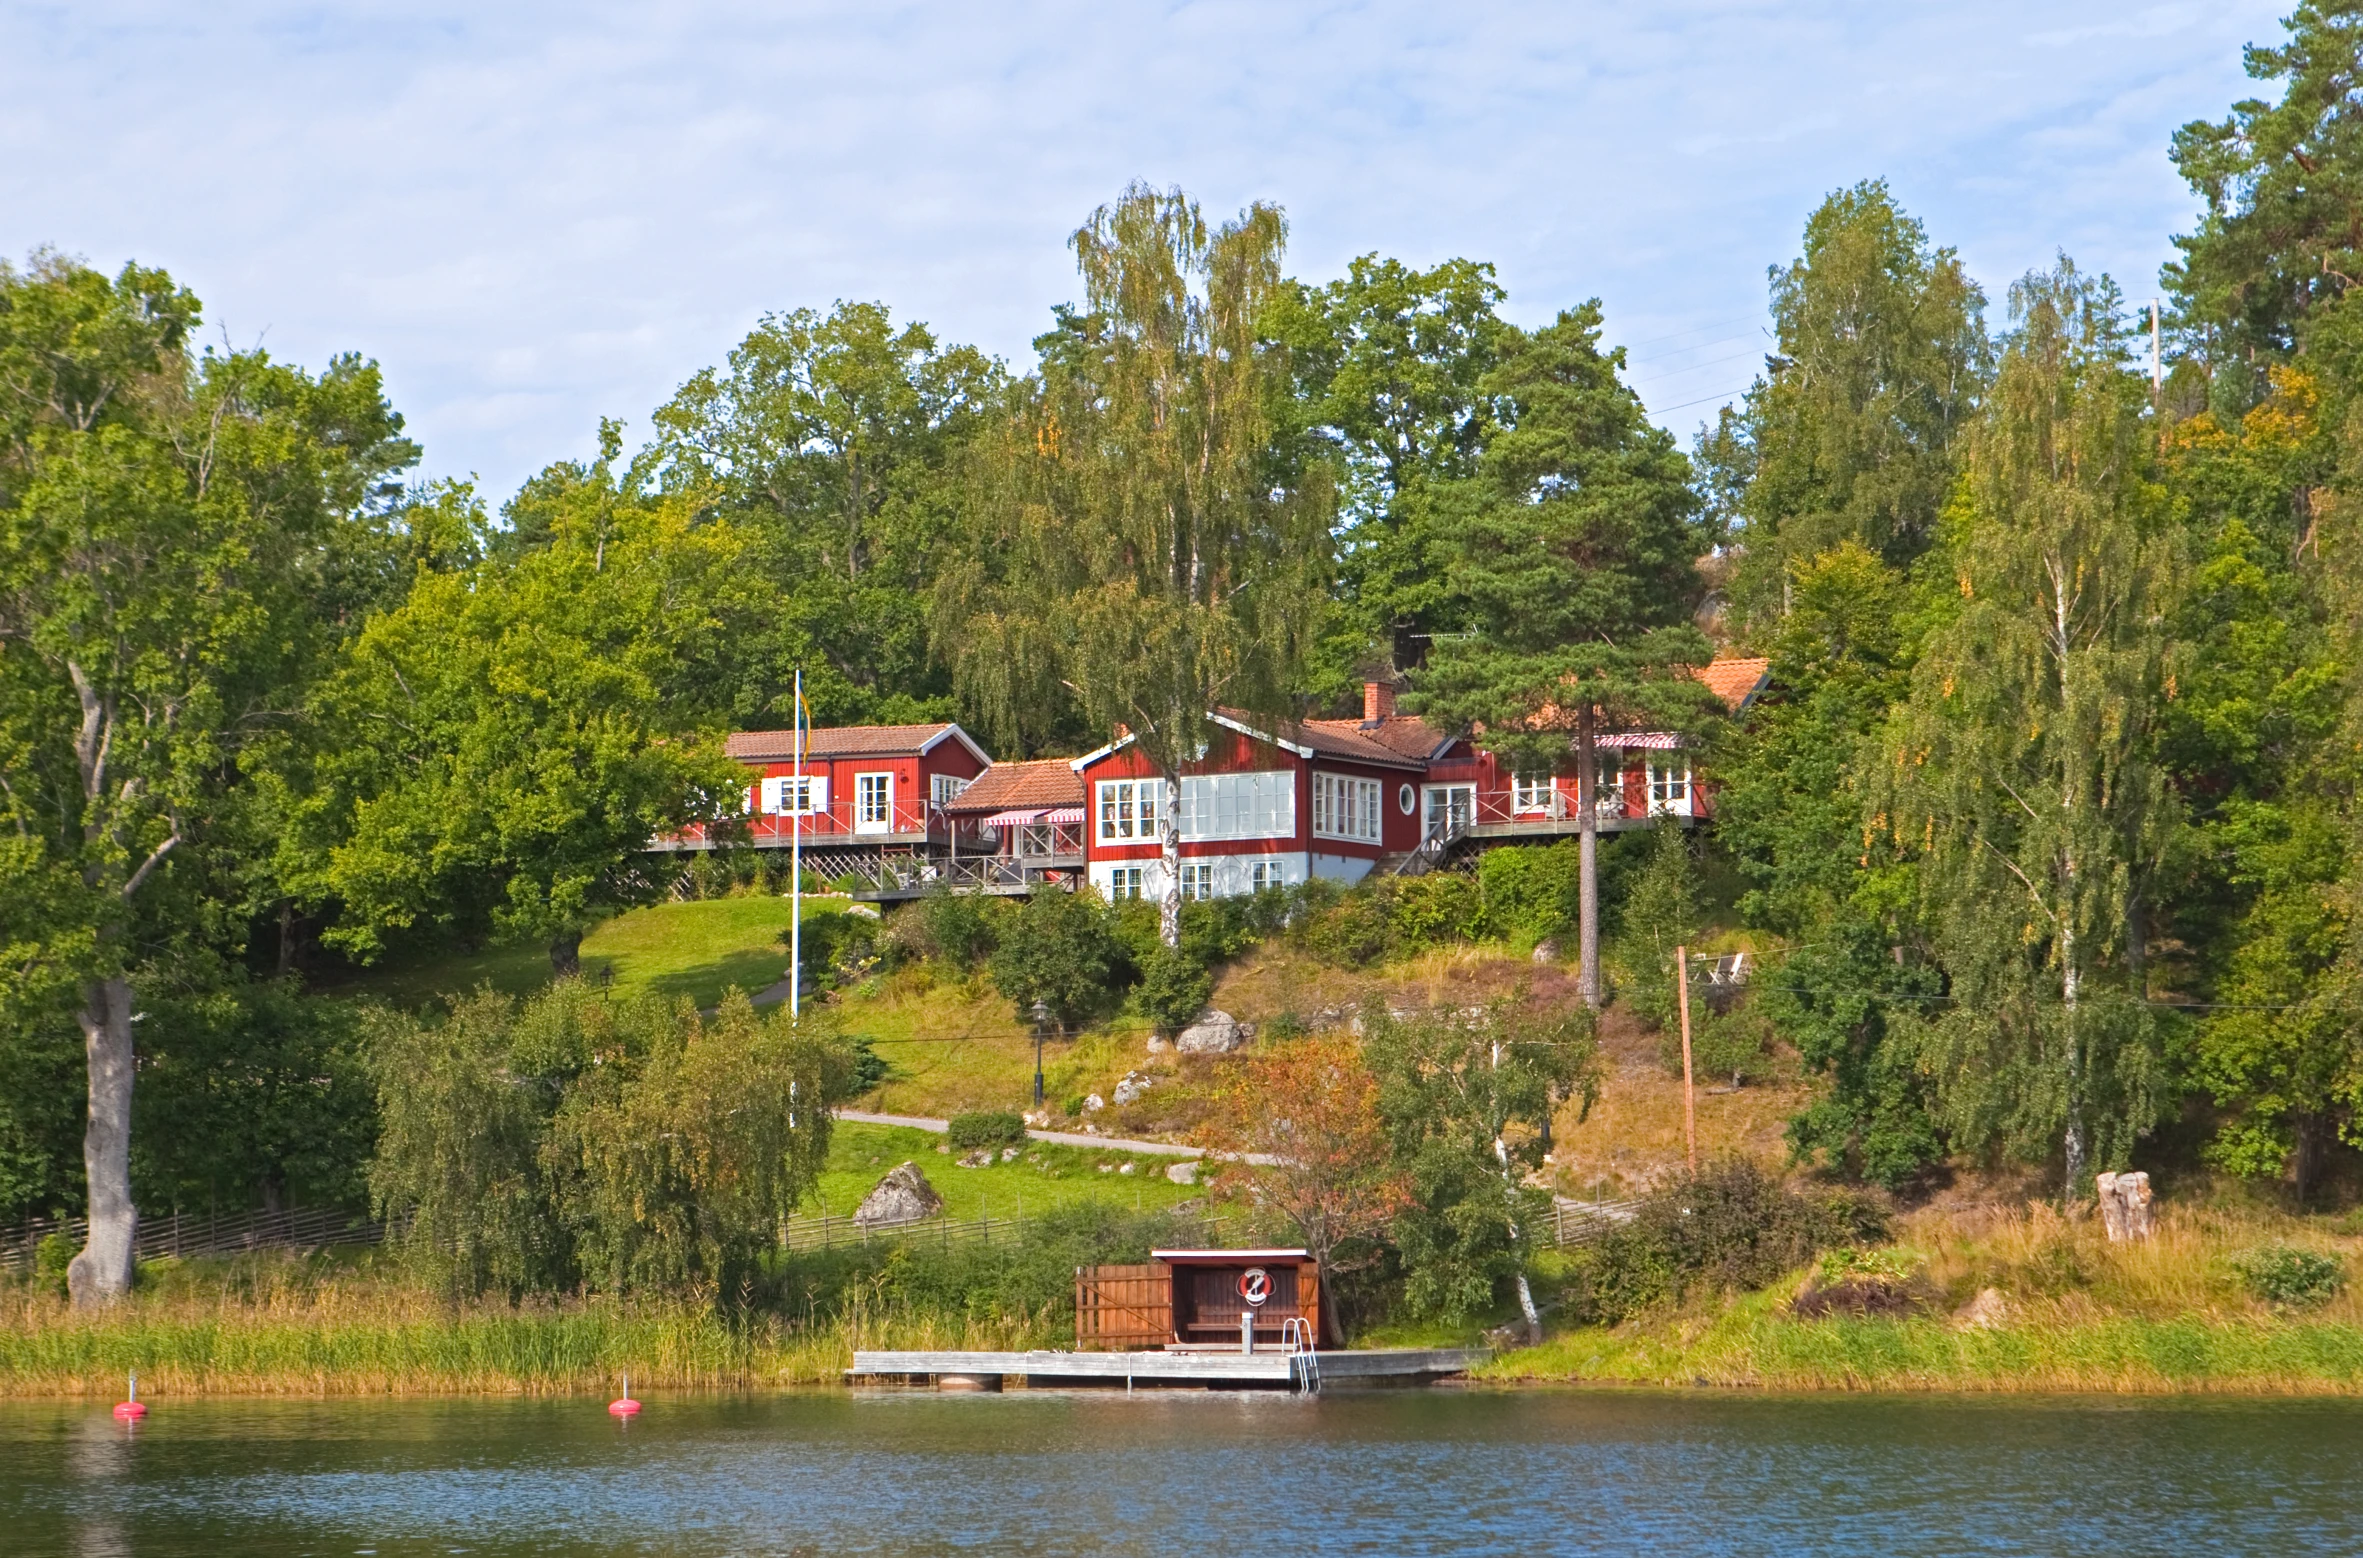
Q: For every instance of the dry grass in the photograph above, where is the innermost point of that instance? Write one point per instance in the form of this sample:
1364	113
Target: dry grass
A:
2081	1314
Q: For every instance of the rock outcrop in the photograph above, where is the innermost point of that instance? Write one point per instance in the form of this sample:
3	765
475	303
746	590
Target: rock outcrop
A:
1214	1033
903	1196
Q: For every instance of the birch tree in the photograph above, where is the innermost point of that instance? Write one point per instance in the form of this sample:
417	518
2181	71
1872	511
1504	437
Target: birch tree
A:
2020	772
168	528
1150	542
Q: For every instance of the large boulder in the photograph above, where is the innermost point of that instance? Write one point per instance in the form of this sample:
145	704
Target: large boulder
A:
1131	1088
1214	1033
903	1196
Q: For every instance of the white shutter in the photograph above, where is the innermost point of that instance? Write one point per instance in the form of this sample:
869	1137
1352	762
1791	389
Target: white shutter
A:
772	789
819	786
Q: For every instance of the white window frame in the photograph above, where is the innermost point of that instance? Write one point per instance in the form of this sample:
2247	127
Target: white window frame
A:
1129	811
873	802
1347	806
1125	882
1263	875
1531	792
944	789
1428	806
1669	786
1255	805
779	795
1197	880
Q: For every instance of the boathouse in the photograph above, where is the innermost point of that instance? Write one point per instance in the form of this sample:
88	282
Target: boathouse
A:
1200	1300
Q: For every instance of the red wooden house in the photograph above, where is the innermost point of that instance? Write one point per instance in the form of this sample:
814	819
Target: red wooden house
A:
868	795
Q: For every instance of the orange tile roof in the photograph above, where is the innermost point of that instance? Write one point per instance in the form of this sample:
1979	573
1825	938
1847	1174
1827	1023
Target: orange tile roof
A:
1048	781
1735	681
778	746
1329	738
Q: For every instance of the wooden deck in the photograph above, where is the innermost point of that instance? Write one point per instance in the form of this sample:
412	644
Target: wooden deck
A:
1272	1370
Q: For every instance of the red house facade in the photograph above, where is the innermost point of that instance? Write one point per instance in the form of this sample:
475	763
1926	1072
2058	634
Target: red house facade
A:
911	807
870	785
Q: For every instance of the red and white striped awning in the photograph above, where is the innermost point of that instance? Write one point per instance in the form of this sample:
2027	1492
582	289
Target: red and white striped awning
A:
1643	741
1064	816
1013	819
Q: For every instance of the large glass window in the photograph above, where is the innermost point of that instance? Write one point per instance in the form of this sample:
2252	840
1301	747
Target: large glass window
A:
1130	809
1346	808
1237	806
1530	792
1452	809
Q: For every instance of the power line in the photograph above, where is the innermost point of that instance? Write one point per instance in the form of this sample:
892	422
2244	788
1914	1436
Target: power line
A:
1694	367
1723	324
1702	400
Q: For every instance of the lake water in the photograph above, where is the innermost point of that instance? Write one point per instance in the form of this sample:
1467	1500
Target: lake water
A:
1443	1471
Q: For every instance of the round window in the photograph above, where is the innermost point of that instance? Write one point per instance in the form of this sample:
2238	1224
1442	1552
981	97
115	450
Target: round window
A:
1406	800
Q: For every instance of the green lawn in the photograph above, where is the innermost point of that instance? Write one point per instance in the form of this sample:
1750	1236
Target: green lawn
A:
695	949
1046	1176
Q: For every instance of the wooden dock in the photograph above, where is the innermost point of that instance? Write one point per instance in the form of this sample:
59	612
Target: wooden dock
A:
1202	1370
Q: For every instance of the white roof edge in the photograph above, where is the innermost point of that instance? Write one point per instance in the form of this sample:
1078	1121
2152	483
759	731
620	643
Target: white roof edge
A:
1281	742
952	728
1235	1254
1089	758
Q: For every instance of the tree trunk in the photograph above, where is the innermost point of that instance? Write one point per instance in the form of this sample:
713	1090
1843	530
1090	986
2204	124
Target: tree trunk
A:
1587	834
566	954
2071	986
1532	1316
1169	896
103	1271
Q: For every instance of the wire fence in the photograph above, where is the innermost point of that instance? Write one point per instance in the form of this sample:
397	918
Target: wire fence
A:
177	1233
1569	1223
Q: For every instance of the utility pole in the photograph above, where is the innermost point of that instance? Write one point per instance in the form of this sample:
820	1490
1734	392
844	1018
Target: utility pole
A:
796	859
2157	363
1689	1099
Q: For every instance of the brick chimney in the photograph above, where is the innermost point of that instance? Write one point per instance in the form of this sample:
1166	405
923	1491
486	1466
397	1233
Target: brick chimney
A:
1378	702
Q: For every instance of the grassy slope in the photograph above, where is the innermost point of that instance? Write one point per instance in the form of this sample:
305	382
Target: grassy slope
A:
695	949
1046	1176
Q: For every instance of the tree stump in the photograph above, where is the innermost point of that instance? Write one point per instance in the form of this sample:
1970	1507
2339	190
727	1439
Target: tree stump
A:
2125	1205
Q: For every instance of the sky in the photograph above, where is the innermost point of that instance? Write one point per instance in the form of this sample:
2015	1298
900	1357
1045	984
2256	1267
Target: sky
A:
535	215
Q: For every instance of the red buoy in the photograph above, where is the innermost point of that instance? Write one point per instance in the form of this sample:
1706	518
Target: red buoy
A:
132	1408
624	1405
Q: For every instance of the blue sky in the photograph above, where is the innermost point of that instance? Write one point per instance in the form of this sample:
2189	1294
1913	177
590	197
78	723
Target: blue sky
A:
534	215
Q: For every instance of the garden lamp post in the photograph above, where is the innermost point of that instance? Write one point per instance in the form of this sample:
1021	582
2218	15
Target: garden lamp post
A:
1041	1021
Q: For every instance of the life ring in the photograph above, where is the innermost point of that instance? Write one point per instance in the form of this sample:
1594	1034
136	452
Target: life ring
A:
1255	1286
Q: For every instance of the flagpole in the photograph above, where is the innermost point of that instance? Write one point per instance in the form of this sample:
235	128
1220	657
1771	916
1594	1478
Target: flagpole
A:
796	864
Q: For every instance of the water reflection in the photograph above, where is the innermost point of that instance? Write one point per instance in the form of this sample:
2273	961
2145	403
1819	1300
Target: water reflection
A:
1409	1472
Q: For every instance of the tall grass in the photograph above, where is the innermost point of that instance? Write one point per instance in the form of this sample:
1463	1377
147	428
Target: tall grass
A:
2166	1315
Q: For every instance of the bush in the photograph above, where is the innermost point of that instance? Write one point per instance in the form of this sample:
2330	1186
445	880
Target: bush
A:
1531	892
1724	1046
1173	989
1661	912
1733	1226
51	1257
993	1128
1061	949
960	928
2290	1278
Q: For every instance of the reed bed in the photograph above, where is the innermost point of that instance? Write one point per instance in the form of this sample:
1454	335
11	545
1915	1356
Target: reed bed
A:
2166	1315
379	1338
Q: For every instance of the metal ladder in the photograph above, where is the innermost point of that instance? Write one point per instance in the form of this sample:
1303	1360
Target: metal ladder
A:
1304	1363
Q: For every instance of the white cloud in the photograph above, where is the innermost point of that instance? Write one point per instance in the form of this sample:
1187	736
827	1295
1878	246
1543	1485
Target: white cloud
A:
538	214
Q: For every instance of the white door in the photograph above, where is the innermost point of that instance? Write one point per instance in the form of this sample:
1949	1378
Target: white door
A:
1451	809
873	803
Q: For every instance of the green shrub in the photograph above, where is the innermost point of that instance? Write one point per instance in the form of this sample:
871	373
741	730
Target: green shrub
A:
993	1128
50	1259
960	928
1733	1226
1061	949
1173	989
1530	891
1661	912
1724	1046
2290	1278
